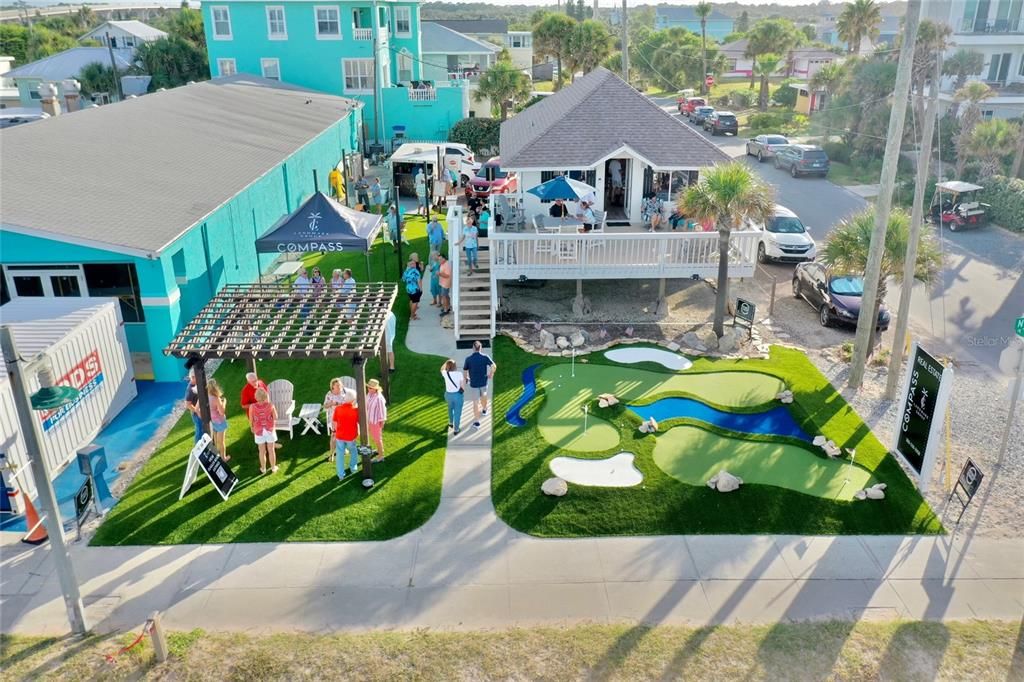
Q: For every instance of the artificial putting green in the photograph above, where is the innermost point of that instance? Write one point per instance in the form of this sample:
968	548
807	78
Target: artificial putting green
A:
561	417
694	455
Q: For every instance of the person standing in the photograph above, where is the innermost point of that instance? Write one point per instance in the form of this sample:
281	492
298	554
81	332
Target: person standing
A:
484	221
348	288
390	328
376	195
435	280
454	394
192	405
362	193
444	279
334	397
559	210
218	417
469	243
346	433
252	384
480	369
435	235
413	288
394	222
420	182
317	282
376	416
262	417
336	181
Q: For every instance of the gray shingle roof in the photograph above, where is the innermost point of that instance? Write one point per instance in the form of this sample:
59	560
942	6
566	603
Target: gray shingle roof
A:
593	117
184	153
477	26
438	39
131	26
69	63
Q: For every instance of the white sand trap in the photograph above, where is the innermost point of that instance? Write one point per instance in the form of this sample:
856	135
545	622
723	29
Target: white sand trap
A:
615	472
630	356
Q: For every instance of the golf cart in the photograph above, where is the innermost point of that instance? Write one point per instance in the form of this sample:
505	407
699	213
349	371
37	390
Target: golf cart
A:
955	205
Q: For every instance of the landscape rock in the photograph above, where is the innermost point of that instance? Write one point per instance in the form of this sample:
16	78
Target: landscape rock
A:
673	346
728	342
875	492
554	486
709	340
577	339
649	426
724	482
607	400
831	449
547	339
581	306
819	441
562	342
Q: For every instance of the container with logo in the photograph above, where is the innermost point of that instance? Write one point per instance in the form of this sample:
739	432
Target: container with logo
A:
85	342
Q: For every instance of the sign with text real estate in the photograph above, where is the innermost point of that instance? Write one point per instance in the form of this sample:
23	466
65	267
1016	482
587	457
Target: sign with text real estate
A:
926	388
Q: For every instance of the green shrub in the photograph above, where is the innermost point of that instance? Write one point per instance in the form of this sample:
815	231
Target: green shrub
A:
722	101
837	151
785	95
768	120
479	134
796	125
742	99
1006	196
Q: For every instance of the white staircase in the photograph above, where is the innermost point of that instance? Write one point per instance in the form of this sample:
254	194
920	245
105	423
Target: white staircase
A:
474	309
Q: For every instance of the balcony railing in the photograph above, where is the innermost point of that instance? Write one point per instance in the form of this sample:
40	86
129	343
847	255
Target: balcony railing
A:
999	26
422	94
362	33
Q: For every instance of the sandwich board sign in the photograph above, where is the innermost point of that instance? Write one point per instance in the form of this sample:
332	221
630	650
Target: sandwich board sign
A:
926	389
204	457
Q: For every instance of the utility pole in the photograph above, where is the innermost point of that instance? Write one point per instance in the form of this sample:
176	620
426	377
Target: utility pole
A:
1019	156
916	218
113	67
625	44
883	206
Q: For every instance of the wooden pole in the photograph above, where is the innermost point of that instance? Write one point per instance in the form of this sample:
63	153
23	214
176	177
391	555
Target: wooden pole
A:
159	638
385	373
199	369
359	369
252	365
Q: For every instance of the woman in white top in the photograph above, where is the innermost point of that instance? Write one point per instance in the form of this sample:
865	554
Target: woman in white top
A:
334	397
454	383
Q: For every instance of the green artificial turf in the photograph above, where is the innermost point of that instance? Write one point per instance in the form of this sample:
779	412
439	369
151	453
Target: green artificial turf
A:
693	455
304	499
665	505
561	418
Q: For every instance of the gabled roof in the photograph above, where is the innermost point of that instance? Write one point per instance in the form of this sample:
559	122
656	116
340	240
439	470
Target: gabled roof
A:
478	26
69	63
687	13
131	26
438	39
193	149
735	49
594	117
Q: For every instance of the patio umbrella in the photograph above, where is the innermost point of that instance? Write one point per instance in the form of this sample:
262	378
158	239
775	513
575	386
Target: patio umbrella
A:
561	187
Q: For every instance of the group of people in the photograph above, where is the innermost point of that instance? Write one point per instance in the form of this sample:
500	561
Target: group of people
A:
342	410
477	371
586	215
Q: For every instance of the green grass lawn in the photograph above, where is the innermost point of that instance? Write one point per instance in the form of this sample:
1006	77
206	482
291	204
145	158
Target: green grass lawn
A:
303	500
665	505
847	174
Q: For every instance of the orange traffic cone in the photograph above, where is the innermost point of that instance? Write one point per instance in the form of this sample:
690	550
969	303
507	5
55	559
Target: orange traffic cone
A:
37	532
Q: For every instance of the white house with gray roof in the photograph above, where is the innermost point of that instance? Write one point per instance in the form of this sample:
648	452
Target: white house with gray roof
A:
124	34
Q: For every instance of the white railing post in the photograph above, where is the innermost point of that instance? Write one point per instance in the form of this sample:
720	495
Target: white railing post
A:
454	224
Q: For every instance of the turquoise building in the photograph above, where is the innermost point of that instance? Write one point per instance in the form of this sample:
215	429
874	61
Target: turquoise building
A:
213	166
369	51
718	25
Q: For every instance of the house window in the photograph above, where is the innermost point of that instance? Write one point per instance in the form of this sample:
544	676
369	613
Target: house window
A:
271	68
404	66
221	23
226	67
403	22
1020	69
117	280
276	27
129	41
328	23
358	75
34	94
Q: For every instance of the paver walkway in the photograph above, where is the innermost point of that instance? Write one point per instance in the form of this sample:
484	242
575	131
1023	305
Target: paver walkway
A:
466	569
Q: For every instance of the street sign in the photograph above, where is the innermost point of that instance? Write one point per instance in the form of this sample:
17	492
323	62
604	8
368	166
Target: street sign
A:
1020	326
926	389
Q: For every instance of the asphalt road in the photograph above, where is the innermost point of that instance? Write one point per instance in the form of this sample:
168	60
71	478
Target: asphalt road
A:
968	313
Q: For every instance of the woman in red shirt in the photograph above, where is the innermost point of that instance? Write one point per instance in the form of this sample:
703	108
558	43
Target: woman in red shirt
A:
262	416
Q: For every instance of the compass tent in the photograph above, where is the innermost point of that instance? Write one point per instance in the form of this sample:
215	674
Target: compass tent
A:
321	224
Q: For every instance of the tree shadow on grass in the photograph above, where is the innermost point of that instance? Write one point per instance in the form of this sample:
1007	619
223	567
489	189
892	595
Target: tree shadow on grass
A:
916	651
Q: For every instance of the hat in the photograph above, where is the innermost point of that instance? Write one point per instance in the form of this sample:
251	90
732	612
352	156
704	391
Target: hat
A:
373	384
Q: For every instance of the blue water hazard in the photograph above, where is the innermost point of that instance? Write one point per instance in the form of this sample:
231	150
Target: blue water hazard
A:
774	422
529	391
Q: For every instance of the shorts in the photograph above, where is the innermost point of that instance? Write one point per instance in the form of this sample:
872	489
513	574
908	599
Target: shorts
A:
266	437
446	291
389	345
219	427
376	431
415	298
478	391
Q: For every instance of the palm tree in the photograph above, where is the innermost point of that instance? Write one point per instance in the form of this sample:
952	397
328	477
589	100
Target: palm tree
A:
551	39
97	77
589	45
764	67
702	10
973	93
504	85
990	142
1018	157
777	36
960	65
846	251
932	41
859	19
728	195
828	79
85	17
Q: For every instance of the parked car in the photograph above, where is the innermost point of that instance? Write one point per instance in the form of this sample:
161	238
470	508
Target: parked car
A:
687	105
957	205
802	159
700	114
455	156
721	122
836	297
491	179
765	146
785	239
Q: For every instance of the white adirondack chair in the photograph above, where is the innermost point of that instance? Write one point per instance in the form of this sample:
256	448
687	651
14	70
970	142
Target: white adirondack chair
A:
282	394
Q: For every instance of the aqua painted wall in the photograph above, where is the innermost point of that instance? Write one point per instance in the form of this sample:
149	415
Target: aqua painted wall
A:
219	250
716	30
424	120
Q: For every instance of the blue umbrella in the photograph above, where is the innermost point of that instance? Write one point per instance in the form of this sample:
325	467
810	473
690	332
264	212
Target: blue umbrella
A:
561	187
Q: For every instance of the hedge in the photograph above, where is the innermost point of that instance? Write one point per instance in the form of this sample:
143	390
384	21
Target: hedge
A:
1006	196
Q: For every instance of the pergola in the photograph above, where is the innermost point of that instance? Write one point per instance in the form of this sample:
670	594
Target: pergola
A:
277	321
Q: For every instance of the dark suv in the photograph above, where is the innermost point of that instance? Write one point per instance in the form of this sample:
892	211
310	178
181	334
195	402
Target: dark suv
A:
802	159
721	122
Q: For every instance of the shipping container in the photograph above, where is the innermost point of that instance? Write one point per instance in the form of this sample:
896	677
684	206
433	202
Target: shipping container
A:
84	341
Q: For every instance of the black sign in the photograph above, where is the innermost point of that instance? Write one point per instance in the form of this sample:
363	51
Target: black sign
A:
970	478
919	408
744	316
83	498
217	471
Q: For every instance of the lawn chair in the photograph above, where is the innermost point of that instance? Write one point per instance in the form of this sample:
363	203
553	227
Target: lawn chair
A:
541	245
282	394
600	218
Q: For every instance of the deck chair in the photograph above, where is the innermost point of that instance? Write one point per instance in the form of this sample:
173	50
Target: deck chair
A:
600	217
282	395
541	245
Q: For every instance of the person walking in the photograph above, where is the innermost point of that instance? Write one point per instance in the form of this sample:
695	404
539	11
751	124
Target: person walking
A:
413	288
218	417
376	416
435	235
422	204
192	405
454	394
469	243
480	369
346	433
362	194
335	396
262	417
444	279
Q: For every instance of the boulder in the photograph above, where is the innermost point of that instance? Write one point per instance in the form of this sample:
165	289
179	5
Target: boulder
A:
608	398
581	306
562	342
709	340
724	482
554	486
673	346
649	426
819	441
831	449
547	340
875	492
728	342
693	341
577	339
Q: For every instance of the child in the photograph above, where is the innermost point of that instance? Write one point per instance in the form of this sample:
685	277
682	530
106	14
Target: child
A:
218	417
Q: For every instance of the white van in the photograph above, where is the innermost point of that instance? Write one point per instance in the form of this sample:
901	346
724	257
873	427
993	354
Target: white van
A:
457	157
785	239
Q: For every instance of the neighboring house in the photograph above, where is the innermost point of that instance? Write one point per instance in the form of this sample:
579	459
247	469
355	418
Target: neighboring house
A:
804	61
124	34
718	25
61	67
355	49
166	229
8	89
451	56
996	30
808	100
519	43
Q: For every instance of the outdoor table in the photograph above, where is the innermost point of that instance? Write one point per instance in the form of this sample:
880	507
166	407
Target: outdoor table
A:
562	224
310	414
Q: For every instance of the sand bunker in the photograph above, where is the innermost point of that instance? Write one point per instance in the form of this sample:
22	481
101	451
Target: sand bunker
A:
630	356
616	471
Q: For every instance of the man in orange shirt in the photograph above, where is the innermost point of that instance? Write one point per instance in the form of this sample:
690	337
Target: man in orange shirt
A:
346	433
444	278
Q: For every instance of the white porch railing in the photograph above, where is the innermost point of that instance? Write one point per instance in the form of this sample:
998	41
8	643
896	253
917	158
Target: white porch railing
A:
453	221
628	256
422	94
362	33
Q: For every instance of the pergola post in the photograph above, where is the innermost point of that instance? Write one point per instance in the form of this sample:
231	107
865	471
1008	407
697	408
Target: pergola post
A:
359	369
252	365
385	374
199	371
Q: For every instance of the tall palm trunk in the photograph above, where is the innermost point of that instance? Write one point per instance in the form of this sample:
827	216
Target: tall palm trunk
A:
753	76
762	97
722	297
704	58
873	338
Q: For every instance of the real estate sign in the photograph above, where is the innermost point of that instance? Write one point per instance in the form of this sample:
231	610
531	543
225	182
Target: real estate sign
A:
926	389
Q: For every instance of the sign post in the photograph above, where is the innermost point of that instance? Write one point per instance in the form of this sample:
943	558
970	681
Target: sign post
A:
83	498
709	80
204	457
744	317
1020	326
1011	361
969	481
926	390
